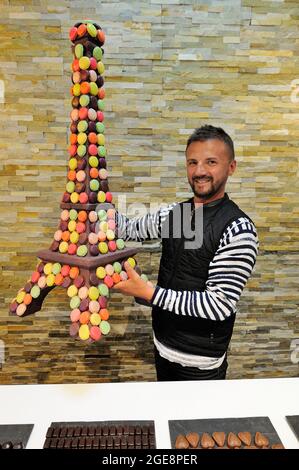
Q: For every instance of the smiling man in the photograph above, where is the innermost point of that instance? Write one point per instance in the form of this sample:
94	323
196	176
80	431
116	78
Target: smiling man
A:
194	302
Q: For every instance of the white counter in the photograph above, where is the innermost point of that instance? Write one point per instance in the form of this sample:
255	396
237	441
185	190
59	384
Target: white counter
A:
158	401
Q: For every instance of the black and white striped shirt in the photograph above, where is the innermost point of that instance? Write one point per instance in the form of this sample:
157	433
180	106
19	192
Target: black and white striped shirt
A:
228	273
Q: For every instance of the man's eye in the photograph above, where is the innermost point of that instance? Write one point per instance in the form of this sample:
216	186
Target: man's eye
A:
211	161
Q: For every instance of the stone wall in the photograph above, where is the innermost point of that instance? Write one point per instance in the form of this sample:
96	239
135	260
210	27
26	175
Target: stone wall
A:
170	66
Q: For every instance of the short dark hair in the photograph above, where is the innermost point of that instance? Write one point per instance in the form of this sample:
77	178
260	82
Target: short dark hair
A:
206	132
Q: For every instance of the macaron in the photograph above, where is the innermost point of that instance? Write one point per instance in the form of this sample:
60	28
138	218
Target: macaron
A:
50	280
108	281
132	262
94	185
65	270
93	161
104	314
101	196
83	198
56	268
103	290
75	315
93	238
74	329
82	126
74	272
95	333
109	196
116	278
84	63
35	276
72	164
82	216
101	272
75	302
84	332
117	267
41	283
92	30
83	292
82	250
72	291
58	279
110	234
97	53
112	245
103	301
93	293
104	327
103	247
92	114
109	269
94	306
84	317
21	309
123	276
35	291
72	248
120	244
48	268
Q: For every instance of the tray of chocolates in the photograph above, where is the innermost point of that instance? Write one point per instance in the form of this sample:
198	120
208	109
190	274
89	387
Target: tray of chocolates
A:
226	433
293	422
101	435
14	436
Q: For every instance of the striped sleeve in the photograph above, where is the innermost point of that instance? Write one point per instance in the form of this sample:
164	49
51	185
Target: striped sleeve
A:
229	271
147	227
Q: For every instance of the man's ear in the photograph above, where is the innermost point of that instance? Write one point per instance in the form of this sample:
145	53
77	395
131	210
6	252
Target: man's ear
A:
232	167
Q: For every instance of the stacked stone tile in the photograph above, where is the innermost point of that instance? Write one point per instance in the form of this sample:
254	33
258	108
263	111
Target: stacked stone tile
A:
85	257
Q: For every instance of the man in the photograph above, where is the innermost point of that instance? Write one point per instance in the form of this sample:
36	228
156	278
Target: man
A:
194	302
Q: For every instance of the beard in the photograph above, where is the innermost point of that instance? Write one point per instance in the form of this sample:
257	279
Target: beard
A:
206	190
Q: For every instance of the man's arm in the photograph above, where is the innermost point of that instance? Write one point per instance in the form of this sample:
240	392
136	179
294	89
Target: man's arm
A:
147	227
229	271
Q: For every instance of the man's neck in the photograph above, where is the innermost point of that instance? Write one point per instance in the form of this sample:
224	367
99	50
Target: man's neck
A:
200	201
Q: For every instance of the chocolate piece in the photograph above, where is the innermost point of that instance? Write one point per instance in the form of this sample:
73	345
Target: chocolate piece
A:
96	443
181	442
88	443
152	442
144	430
116	442
91	431
103	441
131	441
245	437
109	441
60	444
75	443
67	443
260	440
50	432
193	439
81	442
277	446
131	431
112	431
105	430
126	430
219	438
63	432
53	443
123	442
119	430
70	432
233	441
145	441
206	441
56	432
47	443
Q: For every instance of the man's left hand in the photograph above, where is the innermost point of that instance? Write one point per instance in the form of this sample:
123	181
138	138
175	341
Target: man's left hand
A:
135	286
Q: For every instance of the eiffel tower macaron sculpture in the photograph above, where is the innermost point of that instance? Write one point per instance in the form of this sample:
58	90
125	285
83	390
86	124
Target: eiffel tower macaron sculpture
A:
85	257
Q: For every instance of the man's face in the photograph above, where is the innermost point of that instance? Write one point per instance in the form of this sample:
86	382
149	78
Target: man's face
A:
208	167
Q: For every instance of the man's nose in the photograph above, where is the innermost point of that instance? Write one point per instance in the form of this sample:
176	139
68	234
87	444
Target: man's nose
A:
200	169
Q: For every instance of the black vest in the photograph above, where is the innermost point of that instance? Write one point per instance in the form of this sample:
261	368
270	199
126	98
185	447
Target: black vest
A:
187	270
